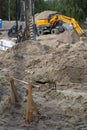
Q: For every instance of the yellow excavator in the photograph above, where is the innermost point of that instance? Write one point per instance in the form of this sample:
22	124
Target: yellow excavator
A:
54	24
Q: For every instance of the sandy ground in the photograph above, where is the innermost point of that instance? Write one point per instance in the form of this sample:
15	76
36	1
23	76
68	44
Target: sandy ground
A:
61	72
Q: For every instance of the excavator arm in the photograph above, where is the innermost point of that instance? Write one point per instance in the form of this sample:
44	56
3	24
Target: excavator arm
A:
55	18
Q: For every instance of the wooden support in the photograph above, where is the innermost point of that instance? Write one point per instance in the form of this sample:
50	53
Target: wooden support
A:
24	82
14	95
34	106
21	81
30	104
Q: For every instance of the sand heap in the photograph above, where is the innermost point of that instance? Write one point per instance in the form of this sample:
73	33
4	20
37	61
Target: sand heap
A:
44	14
66	63
69	36
61	72
62	98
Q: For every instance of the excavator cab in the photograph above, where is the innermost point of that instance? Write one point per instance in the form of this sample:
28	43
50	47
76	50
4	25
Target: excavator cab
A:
51	15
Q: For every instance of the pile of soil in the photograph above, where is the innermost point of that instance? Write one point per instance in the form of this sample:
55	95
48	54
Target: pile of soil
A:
64	63
44	14
61	73
69	36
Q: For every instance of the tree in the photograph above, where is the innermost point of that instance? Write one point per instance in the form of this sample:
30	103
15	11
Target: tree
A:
4	9
71	8
74	8
1	8
40	5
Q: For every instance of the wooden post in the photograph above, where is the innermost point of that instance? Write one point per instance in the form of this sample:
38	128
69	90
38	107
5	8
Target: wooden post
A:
35	107
14	95
30	104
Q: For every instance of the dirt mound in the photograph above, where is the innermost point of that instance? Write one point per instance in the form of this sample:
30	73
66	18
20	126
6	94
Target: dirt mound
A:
61	73
69	36
44	14
66	63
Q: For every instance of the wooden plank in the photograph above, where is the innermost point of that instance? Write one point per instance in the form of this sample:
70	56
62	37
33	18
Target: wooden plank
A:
24	82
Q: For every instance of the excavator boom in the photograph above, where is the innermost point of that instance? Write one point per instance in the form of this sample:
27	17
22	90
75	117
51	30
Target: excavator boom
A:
68	20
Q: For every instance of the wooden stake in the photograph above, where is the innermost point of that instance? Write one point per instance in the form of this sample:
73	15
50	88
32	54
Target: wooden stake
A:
30	104
35	107
14	95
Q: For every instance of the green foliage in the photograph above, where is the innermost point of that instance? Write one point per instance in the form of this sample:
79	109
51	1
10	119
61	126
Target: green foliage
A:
40	5
4	9
12	9
72	8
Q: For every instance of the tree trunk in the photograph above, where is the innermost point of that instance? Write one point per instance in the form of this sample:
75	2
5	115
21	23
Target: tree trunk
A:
28	14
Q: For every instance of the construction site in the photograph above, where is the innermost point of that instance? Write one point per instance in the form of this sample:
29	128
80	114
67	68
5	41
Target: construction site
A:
43	78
